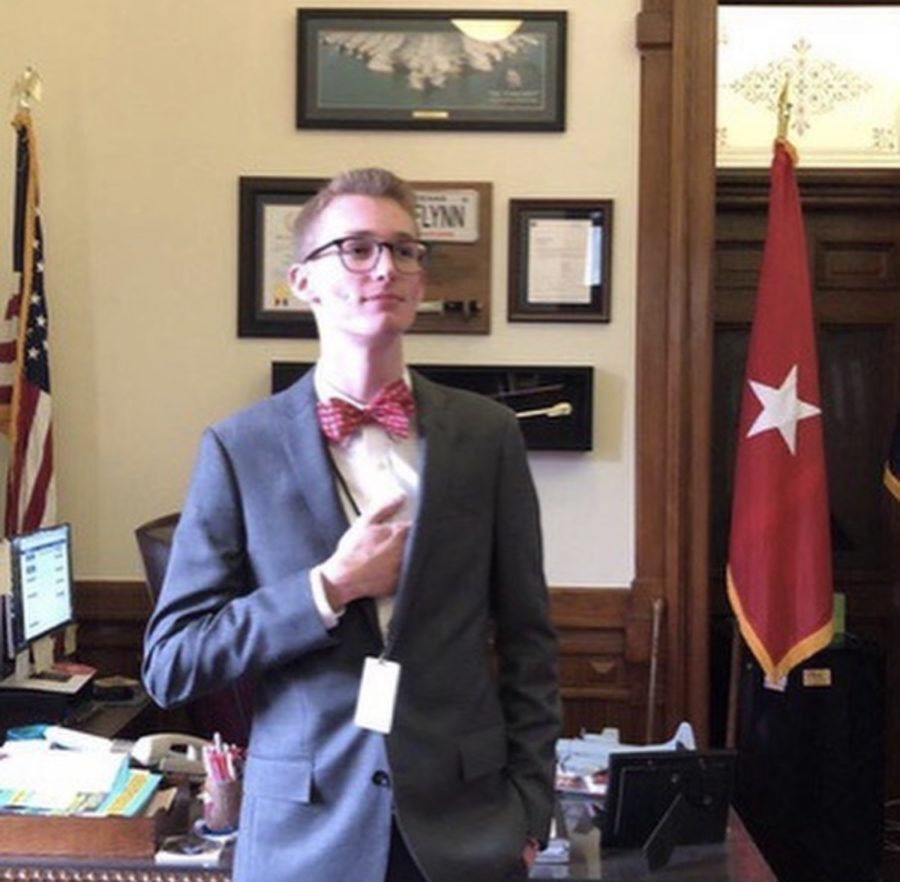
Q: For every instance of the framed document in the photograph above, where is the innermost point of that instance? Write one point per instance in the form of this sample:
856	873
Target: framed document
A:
559	259
267	210
454	218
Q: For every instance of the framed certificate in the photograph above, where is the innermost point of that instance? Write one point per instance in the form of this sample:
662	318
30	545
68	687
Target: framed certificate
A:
559	260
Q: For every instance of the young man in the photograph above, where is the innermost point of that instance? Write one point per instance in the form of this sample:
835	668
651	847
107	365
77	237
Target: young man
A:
409	546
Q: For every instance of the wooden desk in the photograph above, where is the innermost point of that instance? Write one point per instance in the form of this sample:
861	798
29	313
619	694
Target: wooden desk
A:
109	719
37	869
115	719
119	868
735	860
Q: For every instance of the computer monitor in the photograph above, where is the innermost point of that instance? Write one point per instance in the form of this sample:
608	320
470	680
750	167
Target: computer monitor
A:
658	799
41	598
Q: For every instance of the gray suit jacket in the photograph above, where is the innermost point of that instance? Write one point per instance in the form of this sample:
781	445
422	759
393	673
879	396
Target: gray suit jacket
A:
471	755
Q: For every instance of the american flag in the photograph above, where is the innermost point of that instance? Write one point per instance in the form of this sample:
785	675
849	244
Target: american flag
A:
24	367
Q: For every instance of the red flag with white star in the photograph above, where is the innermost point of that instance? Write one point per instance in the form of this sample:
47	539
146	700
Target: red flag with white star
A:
779	559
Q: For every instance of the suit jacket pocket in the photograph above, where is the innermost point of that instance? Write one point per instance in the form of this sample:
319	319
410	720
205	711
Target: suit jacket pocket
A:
483	752
279	778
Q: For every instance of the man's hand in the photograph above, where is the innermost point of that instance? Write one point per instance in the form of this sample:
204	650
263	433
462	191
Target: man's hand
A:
366	562
530	852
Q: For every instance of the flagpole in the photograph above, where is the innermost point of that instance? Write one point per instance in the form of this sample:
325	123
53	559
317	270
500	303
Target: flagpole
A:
21	120
26	91
784	109
734	686
25	381
658	605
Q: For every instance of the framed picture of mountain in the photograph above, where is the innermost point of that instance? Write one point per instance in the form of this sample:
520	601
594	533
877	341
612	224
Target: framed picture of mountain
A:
448	69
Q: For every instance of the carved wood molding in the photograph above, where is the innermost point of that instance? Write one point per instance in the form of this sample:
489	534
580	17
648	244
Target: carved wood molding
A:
874	189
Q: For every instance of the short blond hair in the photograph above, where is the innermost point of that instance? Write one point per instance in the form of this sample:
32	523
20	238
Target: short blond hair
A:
378	183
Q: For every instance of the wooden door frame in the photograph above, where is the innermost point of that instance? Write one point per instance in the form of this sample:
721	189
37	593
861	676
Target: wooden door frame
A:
676	236
676	215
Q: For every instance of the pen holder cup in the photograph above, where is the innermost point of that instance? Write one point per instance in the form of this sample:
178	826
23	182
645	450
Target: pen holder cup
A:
221	805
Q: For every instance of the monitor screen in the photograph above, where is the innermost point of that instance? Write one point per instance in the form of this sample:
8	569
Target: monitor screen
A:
41	570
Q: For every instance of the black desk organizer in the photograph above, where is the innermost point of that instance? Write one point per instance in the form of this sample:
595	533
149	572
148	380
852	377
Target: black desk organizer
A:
533	392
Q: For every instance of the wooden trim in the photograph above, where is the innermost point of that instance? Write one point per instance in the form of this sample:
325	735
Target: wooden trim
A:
674	340
874	189
604	646
111	601
588	607
654	30
128	600
40	869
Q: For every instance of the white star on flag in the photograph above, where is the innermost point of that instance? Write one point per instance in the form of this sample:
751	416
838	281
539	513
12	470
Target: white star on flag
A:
782	409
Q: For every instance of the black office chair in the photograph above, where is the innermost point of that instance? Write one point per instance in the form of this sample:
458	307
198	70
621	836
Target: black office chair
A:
226	711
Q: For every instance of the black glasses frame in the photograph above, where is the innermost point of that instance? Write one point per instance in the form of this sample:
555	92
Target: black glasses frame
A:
380	244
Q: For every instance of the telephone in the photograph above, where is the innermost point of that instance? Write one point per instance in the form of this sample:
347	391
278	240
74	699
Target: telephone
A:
171	752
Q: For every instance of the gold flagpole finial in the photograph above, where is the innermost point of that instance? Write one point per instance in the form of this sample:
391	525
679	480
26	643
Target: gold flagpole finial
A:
26	90
784	109
784	119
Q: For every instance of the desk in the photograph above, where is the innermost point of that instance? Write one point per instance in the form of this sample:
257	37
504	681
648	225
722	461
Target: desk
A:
115	719
109	719
37	869
735	860
45	868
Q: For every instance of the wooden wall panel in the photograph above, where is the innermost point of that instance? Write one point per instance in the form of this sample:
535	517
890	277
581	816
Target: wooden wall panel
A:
111	618
604	639
604	659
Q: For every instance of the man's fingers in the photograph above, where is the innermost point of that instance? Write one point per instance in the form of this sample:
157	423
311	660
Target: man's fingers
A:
383	511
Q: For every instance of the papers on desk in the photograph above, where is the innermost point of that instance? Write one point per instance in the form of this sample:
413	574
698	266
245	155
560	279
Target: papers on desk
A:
38	778
581	763
556	852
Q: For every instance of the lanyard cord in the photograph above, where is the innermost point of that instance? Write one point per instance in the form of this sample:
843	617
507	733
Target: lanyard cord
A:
342	483
389	636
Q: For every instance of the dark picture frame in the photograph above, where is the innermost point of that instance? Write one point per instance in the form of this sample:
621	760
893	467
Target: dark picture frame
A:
267	207
454	219
656	800
348	78
560	254
554	403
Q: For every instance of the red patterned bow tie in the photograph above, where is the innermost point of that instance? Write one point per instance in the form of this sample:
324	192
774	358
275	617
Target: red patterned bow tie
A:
391	408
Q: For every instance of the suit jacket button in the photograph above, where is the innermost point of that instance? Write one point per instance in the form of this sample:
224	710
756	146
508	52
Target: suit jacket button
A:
381	779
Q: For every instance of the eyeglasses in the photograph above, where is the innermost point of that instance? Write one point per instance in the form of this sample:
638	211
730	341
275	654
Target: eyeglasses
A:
360	254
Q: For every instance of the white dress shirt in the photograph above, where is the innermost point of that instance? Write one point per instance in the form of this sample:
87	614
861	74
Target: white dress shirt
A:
375	467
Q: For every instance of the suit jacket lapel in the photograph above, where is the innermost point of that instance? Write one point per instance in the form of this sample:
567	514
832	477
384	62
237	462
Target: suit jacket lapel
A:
307	452
437	442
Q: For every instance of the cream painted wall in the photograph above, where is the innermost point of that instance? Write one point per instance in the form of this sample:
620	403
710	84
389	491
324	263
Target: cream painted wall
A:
152	109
